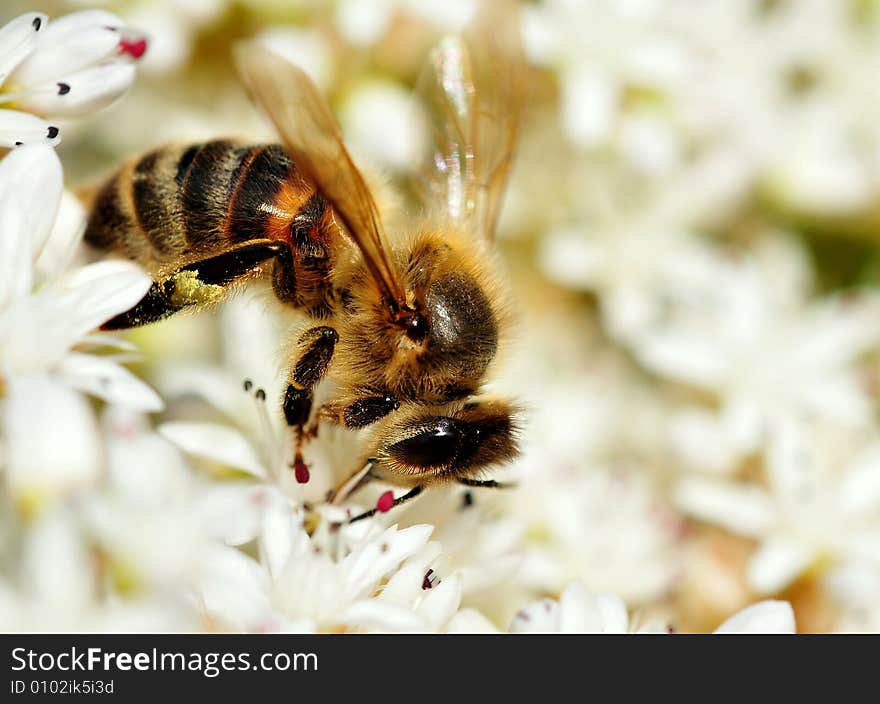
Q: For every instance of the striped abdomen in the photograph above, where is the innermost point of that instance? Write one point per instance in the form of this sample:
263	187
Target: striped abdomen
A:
183	203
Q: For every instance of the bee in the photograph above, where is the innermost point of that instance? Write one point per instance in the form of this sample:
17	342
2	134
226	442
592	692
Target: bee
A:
406	326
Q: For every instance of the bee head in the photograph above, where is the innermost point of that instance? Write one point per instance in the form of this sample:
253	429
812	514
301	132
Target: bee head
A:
439	346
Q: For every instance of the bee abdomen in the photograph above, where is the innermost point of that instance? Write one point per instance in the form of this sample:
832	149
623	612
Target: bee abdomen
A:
186	202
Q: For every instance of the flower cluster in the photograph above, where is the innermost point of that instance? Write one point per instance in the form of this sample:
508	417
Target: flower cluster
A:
690	233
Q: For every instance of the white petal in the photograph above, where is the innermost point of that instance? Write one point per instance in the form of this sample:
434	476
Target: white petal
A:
61	247
763	617
405	585
538	617
378	615
365	566
51	439
81	93
57	568
18	38
742	508
441	602
16	272
279	530
23	128
97	292
776	564
470	621
69	44
214	442
105	379
860	489
31	181
232	588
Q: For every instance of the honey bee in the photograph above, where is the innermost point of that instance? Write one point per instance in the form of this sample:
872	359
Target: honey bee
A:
406	326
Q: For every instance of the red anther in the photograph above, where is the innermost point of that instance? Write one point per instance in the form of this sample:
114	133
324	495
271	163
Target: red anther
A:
136	49
385	502
301	472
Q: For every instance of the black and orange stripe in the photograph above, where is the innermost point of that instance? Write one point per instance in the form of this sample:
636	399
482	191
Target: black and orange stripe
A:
184	203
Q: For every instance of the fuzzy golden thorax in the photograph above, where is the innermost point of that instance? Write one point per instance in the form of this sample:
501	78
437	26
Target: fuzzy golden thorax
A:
449	283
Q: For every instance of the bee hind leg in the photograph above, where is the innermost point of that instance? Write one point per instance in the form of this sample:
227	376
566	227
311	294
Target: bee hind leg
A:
199	283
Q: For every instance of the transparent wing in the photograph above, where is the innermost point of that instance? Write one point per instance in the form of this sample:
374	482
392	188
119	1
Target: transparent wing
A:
313	139
473	90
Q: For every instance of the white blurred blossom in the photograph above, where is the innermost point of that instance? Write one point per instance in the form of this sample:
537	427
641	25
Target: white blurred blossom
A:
579	611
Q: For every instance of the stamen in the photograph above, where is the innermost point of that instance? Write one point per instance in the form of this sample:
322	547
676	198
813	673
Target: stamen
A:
63	88
37	23
385	502
136	49
270	443
430	580
52	132
301	472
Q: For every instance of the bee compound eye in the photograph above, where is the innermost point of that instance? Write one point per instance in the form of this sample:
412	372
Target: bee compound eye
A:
436	445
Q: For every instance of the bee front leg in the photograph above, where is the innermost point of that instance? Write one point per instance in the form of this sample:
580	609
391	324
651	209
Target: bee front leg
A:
314	352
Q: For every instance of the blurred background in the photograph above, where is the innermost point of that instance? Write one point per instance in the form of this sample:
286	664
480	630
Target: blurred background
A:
691	235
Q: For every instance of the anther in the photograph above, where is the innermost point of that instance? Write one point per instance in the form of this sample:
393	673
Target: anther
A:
37	23
247	385
429	581
135	49
301	472
52	132
63	88
260	395
385	502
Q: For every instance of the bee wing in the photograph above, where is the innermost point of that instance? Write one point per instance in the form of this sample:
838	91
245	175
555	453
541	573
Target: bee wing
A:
312	138
473	90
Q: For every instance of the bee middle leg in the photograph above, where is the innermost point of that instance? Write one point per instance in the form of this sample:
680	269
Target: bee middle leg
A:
314	352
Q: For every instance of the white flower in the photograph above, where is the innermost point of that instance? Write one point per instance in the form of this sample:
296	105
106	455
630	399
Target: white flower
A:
820	505
46	323
768	356
580	611
70	67
324	582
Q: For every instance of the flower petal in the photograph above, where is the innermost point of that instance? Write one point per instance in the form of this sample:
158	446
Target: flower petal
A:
441	602
364	567
214	442
18	38
763	617
742	508
105	379
18	128
81	93
776	564
51	440
31	181
69	44
377	615
470	621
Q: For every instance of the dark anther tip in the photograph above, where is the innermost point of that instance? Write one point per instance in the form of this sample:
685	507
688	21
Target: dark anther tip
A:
63	88
37	23
247	385
52	132
261	395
